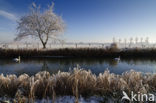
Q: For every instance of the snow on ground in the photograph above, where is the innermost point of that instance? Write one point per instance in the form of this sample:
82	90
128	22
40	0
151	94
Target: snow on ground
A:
71	99
61	99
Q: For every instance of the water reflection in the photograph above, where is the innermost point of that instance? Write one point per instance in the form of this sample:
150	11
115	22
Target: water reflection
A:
96	65
45	66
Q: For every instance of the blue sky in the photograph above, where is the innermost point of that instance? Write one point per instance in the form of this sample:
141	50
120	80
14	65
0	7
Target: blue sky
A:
88	20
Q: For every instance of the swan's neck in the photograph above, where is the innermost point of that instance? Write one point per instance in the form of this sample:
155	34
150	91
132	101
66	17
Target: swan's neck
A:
19	58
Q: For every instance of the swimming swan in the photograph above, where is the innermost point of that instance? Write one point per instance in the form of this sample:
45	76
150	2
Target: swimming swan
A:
17	59
117	59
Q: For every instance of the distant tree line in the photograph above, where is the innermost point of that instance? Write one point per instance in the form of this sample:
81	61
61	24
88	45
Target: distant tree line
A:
128	42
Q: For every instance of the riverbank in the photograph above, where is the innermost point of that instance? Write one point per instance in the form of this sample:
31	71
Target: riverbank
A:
79	52
77	82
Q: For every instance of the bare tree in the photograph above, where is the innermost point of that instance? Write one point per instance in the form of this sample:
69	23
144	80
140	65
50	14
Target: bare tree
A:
141	40
114	40
119	40
136	40
125	40
147	41
130	41
41	25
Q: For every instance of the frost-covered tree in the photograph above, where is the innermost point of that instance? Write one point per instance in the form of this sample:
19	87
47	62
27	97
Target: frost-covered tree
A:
41	25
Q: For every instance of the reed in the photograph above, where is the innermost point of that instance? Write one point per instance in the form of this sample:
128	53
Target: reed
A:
75	83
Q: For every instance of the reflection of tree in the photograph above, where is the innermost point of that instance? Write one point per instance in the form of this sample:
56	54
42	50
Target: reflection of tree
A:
113	62
45	66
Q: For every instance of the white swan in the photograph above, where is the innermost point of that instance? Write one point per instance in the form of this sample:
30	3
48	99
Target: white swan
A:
117	59
4	101
17	59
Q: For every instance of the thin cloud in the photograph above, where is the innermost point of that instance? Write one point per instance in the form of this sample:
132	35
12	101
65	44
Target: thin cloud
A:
8	15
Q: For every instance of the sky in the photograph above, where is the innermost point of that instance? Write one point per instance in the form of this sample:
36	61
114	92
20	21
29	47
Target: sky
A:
88	20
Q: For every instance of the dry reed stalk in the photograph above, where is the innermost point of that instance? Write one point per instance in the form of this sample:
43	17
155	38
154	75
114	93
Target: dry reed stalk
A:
77	82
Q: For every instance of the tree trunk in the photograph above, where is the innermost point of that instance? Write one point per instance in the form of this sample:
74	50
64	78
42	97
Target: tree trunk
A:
44	45
43	42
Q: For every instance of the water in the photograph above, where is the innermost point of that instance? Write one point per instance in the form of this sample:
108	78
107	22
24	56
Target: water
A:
96	65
